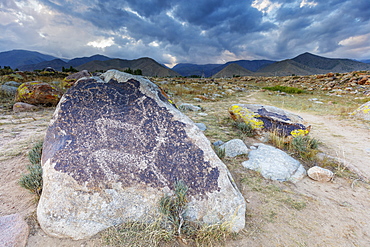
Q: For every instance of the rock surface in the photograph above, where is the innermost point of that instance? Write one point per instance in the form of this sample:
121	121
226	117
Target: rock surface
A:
71	79
320	174
114	147
269	118
13	231
38	93
234	148
22	107
363	112
274	164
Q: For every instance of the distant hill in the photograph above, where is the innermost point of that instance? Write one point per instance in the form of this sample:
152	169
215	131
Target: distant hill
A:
231	70
148	66
309	64
56	64
82	60
208	70
365	61
17	58
251	65
189	69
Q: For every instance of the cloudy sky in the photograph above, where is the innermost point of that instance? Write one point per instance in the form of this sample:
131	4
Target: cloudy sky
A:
194	31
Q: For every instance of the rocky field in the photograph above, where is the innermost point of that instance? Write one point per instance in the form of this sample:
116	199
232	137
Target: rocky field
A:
306	213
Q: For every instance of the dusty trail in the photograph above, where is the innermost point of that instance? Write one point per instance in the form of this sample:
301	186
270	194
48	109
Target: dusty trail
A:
345	139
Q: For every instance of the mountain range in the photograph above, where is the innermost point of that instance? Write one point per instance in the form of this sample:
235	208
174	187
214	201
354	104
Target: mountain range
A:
304	64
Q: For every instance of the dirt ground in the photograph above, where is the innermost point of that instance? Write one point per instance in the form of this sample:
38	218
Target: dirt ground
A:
307	213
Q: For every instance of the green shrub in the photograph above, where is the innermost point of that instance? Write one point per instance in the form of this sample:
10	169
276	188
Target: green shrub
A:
246	128
33	180
34	155
285	89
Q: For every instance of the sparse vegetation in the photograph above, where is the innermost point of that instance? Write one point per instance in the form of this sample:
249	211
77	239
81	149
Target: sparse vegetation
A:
245	128
220	152
171	227
285	89
33	180
303	147
174	207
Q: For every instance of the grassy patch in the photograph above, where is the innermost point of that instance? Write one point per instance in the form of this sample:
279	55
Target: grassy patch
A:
172	228
220	152
302	147
285	89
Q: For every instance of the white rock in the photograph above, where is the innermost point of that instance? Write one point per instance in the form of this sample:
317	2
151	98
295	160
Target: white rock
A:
320	174
189	107
274	164
234	148
201	126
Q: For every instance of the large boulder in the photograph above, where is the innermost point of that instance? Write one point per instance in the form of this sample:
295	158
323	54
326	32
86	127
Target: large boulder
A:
274	164
363	112
114	147
38	93
270	118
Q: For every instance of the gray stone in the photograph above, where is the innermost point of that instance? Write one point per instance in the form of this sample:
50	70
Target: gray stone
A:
189	107
274	164
114	147
8	90
201	126
13	231
218	143
78	75
12	83
234	148
363	112
24	107
320	174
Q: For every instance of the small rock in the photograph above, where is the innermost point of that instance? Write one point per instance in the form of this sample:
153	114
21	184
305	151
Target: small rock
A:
218	143
234	148
363	112
8	90
201	126
202	114
12	83
189	107
13	231
71	79
320	174
22	107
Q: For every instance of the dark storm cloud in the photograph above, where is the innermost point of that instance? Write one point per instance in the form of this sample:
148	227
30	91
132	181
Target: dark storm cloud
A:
176	24
190	31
